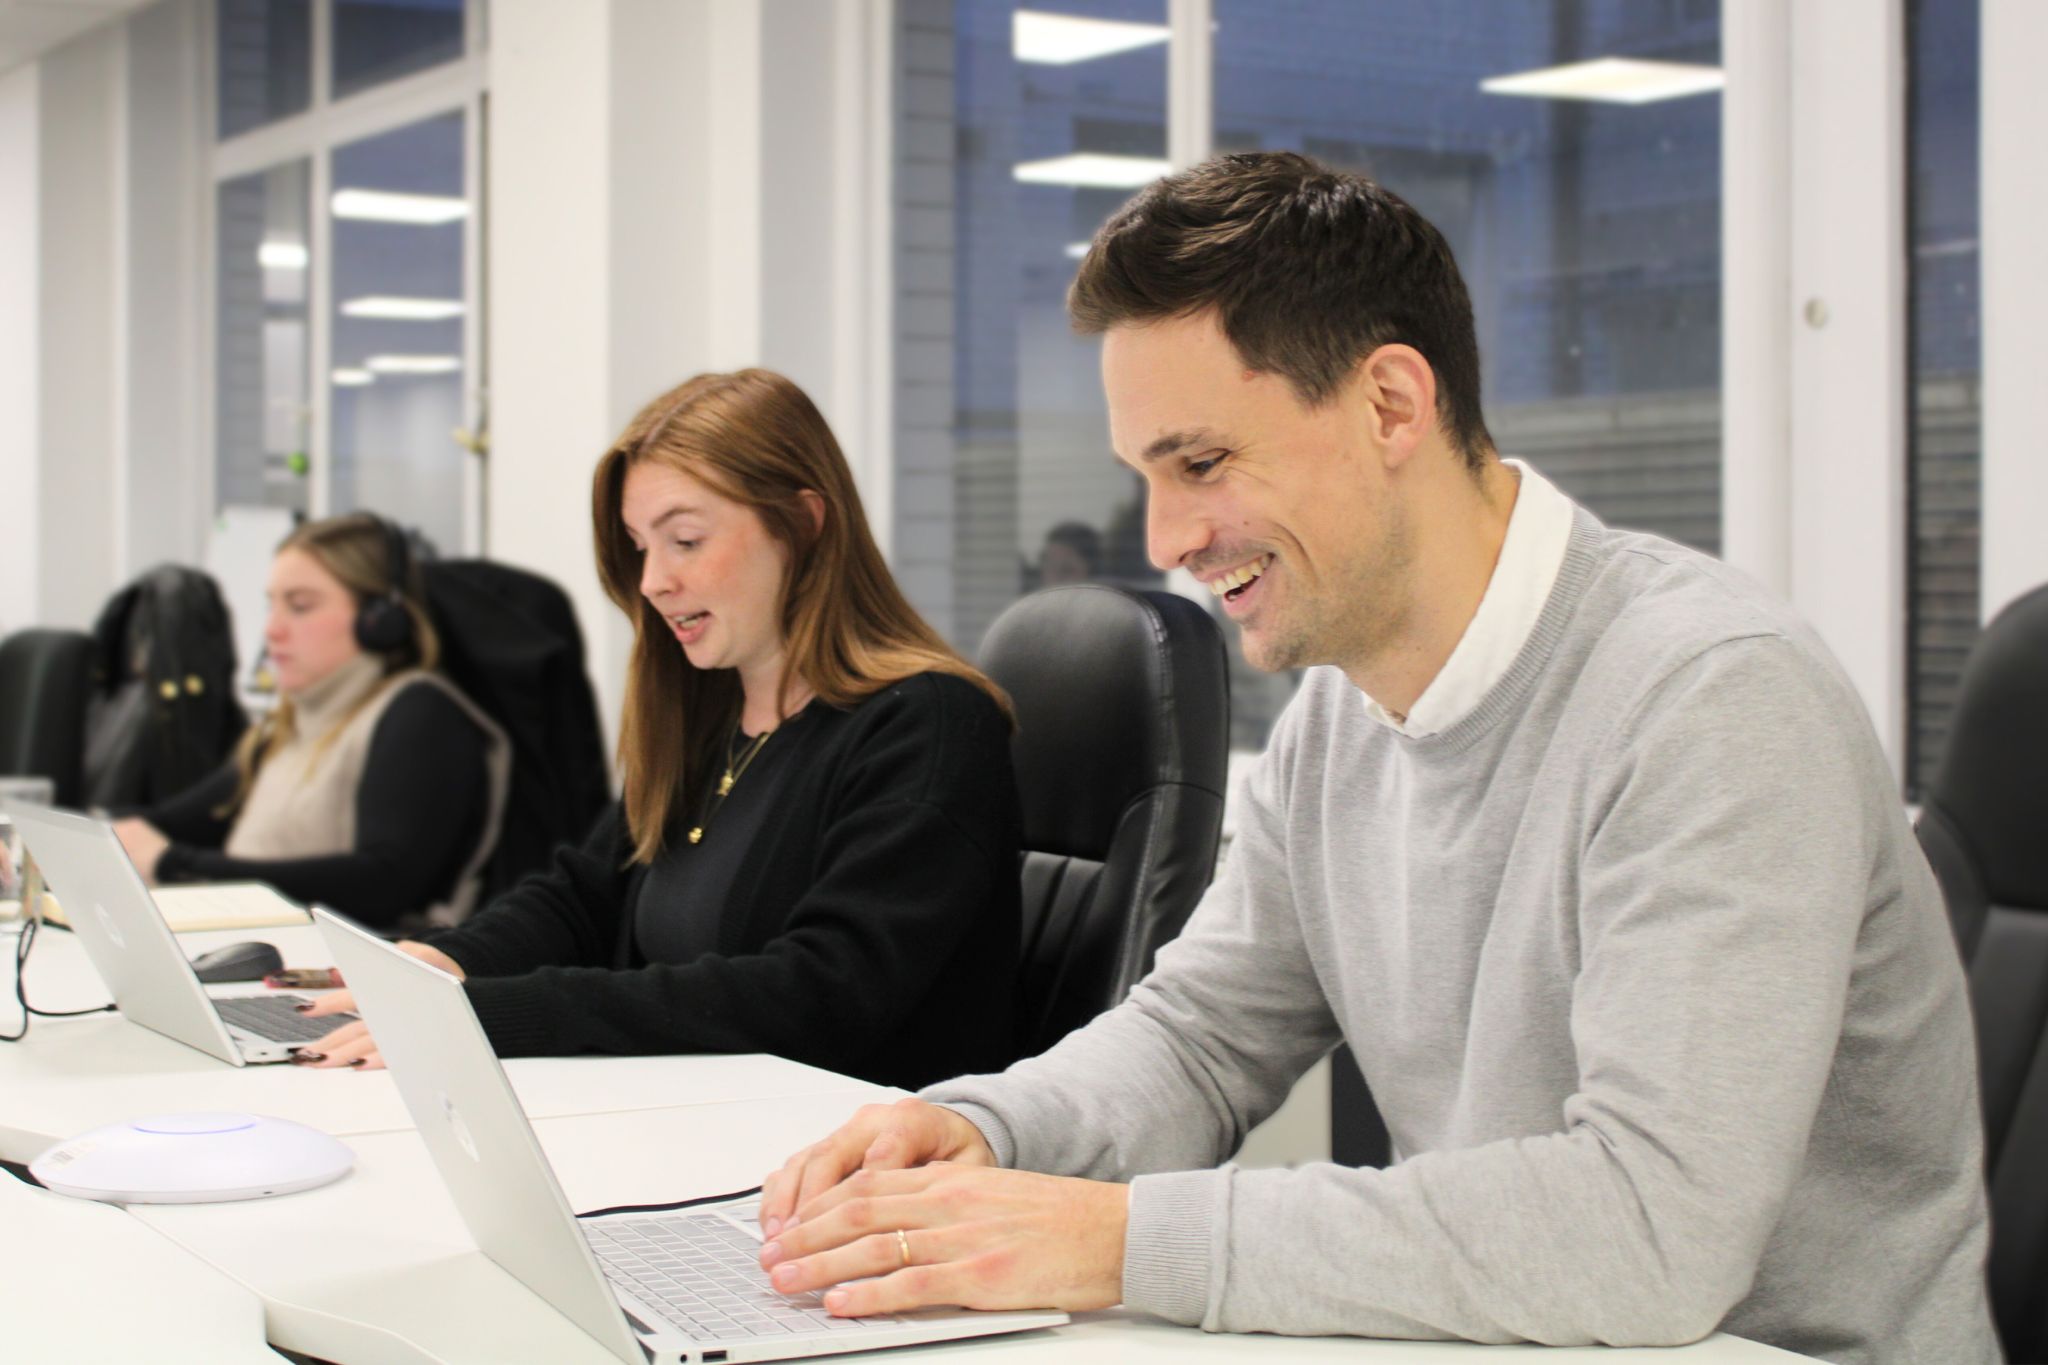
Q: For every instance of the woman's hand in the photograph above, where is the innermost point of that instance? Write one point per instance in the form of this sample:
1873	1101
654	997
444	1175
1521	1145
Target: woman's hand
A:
144	844
351	1044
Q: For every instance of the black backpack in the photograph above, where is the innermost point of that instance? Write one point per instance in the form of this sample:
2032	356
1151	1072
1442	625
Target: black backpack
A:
509	640
163	713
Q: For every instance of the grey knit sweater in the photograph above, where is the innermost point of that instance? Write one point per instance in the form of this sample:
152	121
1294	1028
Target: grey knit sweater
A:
1647	974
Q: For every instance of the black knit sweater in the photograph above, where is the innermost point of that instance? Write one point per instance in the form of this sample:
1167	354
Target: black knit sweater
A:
872	927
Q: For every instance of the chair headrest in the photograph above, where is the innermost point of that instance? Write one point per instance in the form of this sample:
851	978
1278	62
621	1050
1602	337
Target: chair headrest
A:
1080	663
1992	783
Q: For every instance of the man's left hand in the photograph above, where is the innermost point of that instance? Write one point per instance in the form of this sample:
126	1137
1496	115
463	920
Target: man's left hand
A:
977	1238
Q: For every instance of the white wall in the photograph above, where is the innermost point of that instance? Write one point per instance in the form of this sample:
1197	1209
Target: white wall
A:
79	169
664	200
2015	295
101	240
163	241
20	345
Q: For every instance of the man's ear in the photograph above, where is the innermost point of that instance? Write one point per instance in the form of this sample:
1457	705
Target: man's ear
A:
1399	392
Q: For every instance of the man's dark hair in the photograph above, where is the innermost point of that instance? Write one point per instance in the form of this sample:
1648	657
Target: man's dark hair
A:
1309	270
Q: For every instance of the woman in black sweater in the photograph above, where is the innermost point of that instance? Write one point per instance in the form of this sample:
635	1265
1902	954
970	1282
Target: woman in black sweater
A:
816	852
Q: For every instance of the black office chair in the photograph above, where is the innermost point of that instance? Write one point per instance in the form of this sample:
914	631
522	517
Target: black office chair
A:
1984	825
1123	725
45	683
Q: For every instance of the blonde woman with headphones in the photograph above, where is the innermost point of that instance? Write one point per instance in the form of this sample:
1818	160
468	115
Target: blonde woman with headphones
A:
375	786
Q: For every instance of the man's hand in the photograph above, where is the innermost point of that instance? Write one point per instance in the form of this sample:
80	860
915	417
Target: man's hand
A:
955	1234
351	1045
879	1137
144	843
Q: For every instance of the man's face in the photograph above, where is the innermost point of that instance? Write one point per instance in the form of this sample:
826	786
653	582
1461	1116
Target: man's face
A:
1282	509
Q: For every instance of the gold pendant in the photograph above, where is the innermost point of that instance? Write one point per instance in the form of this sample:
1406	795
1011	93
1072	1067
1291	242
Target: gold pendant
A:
697	834
725	784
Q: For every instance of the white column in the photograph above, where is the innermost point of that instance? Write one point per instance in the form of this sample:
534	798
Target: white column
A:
664	200
1190	82
1848	352
1756	291
80	198
549	316
161	455
20	345
2015	300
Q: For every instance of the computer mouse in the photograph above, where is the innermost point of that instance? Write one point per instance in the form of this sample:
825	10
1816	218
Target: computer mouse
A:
238	962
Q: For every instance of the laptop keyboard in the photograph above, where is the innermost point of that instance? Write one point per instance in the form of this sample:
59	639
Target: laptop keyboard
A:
705	1276
272	1017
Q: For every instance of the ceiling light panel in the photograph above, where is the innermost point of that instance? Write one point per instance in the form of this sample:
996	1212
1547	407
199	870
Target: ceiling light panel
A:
1063	39
385	206
1610	80
1093	170
413	364
400	309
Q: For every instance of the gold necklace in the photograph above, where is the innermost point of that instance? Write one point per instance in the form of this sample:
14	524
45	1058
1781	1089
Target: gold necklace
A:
733	772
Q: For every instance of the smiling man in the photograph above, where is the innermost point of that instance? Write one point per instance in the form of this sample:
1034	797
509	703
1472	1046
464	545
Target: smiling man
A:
1579	839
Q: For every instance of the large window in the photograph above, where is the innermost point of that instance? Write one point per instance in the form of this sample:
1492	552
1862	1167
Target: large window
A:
1022	130
1569	150
1582	198
1945	365
397	357
263	412
346	277
263	51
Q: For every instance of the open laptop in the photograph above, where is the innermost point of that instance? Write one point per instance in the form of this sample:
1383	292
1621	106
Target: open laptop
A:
135	953
666	1287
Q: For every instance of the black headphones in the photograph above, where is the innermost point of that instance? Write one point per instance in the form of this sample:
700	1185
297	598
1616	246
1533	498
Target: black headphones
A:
383	625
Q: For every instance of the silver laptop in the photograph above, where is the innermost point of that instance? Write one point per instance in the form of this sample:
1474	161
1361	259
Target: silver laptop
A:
667	1287
138	956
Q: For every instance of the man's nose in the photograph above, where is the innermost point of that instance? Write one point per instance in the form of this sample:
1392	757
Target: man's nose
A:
1173	530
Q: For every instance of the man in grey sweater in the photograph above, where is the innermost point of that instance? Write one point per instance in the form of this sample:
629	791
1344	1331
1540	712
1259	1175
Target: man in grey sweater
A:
1580	840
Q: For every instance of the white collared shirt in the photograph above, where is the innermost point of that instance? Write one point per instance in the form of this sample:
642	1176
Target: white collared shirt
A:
1539	529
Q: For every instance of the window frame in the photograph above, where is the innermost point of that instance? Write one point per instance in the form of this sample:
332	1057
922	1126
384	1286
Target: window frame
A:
314	135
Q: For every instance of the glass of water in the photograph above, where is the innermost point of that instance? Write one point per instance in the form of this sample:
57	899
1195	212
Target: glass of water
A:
36	790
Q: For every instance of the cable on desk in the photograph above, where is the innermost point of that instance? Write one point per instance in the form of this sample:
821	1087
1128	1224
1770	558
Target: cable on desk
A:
670	1208
24	940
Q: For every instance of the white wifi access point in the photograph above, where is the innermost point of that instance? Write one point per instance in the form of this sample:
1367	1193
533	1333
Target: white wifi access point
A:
192	1159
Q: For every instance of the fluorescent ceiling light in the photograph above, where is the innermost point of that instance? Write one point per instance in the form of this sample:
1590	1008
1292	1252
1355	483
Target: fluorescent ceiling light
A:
353	379
406	310
1093	170
413	364
1614	80
282	255
1076	250
1063	39
383	206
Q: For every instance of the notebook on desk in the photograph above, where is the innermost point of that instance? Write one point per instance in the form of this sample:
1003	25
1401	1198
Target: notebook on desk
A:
135	953
663	1287
216	905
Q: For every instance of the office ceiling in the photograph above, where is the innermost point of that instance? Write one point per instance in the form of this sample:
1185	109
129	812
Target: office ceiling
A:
29	28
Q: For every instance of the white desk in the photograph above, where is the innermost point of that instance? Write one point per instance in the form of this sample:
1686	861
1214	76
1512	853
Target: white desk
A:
71	1075
170	1307
379	1268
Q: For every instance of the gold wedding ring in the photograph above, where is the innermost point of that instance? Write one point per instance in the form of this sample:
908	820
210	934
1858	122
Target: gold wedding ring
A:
903	1246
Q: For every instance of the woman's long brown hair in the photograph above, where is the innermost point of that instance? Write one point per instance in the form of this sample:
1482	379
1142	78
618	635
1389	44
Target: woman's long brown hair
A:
848	631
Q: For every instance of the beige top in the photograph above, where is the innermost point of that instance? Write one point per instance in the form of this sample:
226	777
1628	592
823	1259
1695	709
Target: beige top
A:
303	802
